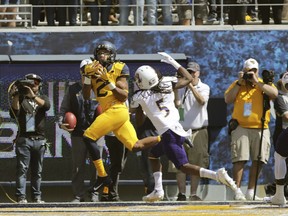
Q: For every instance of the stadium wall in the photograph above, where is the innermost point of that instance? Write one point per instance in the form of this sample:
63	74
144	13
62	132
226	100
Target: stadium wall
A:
220	53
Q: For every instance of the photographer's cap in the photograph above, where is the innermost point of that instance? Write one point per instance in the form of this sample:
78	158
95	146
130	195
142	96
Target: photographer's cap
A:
250	64
285	80
193	66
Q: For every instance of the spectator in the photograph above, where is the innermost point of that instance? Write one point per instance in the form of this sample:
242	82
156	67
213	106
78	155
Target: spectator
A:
84	110
246	94
185	12
137	8
192	105
212	16
166	12
156	98
29	107
276	11
72	12
251	11
8	10
102	7
280	142
237	14
108	79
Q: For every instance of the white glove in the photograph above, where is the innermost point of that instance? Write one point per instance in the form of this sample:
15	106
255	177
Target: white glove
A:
169	60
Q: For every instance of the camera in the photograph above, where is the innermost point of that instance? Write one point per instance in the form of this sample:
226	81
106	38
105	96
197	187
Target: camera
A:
268	76
20	84
247	76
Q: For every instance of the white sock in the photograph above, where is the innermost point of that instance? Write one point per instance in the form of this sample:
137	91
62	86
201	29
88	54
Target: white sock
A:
158	180
238	190
250	192
205	173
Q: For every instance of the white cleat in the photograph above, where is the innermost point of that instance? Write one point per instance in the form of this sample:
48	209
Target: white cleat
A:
154	196
225	179
281	201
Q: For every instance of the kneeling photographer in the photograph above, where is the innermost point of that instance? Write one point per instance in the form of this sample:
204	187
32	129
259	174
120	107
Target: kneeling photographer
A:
28	108
251	134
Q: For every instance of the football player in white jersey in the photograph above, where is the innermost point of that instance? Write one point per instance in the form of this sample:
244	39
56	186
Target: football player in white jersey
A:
156	98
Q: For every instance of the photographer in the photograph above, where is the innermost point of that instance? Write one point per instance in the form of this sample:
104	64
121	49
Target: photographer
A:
248	95
281	149
29	109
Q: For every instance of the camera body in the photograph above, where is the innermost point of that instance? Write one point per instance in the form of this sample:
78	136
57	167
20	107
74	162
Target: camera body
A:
247	76
268	76
20	84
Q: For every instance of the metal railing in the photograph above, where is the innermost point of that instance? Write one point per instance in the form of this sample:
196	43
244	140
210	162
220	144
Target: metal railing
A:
23	10
27	14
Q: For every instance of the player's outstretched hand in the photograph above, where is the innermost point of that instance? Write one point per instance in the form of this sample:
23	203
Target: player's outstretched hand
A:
169	60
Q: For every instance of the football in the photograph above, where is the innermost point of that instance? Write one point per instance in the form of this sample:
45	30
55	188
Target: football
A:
70	119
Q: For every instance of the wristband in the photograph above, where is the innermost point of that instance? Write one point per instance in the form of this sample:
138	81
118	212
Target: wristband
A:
111	86
176	65
87	81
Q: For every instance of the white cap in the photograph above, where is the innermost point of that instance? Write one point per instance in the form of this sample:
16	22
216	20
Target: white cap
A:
285	80
85	62
250	64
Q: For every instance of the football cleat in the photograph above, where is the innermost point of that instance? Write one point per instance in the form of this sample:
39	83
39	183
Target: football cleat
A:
101	182
225	179
156	195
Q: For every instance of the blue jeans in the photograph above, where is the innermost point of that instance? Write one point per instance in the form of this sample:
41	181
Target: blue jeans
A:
151	11
29	153
137	11
167	11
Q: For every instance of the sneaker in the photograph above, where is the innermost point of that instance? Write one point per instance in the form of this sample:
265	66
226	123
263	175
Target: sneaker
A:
275	200
94	197
101	182
77	200
225	179
154	196
250	197
181	197
212	17
22	201
39	201
239	196
194	198
270	189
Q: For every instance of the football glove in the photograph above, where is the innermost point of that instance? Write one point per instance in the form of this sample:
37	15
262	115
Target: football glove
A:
169	60
93	69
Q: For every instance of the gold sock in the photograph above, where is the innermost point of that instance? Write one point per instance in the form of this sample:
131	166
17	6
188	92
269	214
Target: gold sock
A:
105	190
100	168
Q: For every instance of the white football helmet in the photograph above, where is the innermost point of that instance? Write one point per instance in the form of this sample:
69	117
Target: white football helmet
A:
146	77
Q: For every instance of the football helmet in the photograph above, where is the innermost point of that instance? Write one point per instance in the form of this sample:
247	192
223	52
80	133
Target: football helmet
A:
33	77
106	45
146	77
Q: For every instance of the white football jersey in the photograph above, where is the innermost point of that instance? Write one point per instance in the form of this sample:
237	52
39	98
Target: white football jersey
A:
160	107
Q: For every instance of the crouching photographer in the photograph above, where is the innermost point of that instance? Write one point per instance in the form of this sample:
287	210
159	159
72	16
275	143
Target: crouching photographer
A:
28	108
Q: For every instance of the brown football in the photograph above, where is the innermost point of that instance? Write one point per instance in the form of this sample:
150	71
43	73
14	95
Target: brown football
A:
70	119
